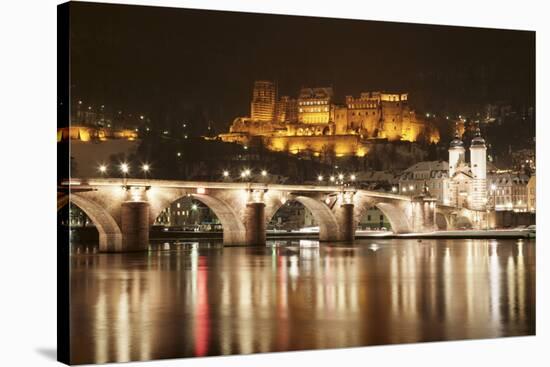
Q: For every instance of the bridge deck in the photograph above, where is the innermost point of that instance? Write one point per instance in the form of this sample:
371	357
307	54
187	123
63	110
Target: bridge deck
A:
94	182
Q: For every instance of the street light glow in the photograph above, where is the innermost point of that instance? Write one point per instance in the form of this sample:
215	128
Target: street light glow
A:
124	167
340	176
264	173
225	173
145	167
194	206
102	168
352	177
320	178
332	178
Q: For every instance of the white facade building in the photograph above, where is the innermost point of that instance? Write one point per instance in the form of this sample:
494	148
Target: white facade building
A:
478	165
456	183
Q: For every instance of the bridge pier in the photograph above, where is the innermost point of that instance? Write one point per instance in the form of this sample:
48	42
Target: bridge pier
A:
254	221
346	222
423	214
134	219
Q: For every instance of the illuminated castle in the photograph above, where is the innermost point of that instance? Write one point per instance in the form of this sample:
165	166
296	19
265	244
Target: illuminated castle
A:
315	123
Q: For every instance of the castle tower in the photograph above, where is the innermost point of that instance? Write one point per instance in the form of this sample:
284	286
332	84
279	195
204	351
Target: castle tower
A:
478	163
264	100
456	154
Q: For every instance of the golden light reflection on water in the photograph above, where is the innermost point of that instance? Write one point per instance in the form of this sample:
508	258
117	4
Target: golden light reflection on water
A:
212	301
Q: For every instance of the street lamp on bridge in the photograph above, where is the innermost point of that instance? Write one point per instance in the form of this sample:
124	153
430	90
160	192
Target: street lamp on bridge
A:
125	169
246	174
102	169
146	167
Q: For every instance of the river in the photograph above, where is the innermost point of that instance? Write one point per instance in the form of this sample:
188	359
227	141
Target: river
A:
204	299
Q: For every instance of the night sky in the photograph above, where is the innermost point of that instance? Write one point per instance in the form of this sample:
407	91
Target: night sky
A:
159	60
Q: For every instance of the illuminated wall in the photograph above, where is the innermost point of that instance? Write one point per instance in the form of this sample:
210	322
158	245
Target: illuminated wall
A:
340	146
83	133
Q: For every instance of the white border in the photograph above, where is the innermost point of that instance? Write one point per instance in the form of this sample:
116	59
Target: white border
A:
27	148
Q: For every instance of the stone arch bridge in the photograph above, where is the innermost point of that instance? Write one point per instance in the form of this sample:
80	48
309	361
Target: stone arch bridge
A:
124	210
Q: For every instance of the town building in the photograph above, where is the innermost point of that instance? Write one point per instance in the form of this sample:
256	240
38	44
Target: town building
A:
387	181
373	219
532	194
292	216
508	190
188	214
432	176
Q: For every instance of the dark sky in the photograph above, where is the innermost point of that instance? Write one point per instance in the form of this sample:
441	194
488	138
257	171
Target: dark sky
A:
155	60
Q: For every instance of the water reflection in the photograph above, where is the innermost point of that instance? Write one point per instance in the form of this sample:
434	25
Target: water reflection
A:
183	300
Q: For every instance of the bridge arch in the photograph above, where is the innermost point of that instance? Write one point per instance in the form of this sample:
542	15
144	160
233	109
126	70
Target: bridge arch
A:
396	216
463	222
397	212
234	231
442	221
328	225
110	235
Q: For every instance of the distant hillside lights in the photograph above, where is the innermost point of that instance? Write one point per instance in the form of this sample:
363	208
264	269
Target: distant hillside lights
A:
313	122
85	134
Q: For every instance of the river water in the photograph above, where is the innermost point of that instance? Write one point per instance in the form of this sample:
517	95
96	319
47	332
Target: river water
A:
203	299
